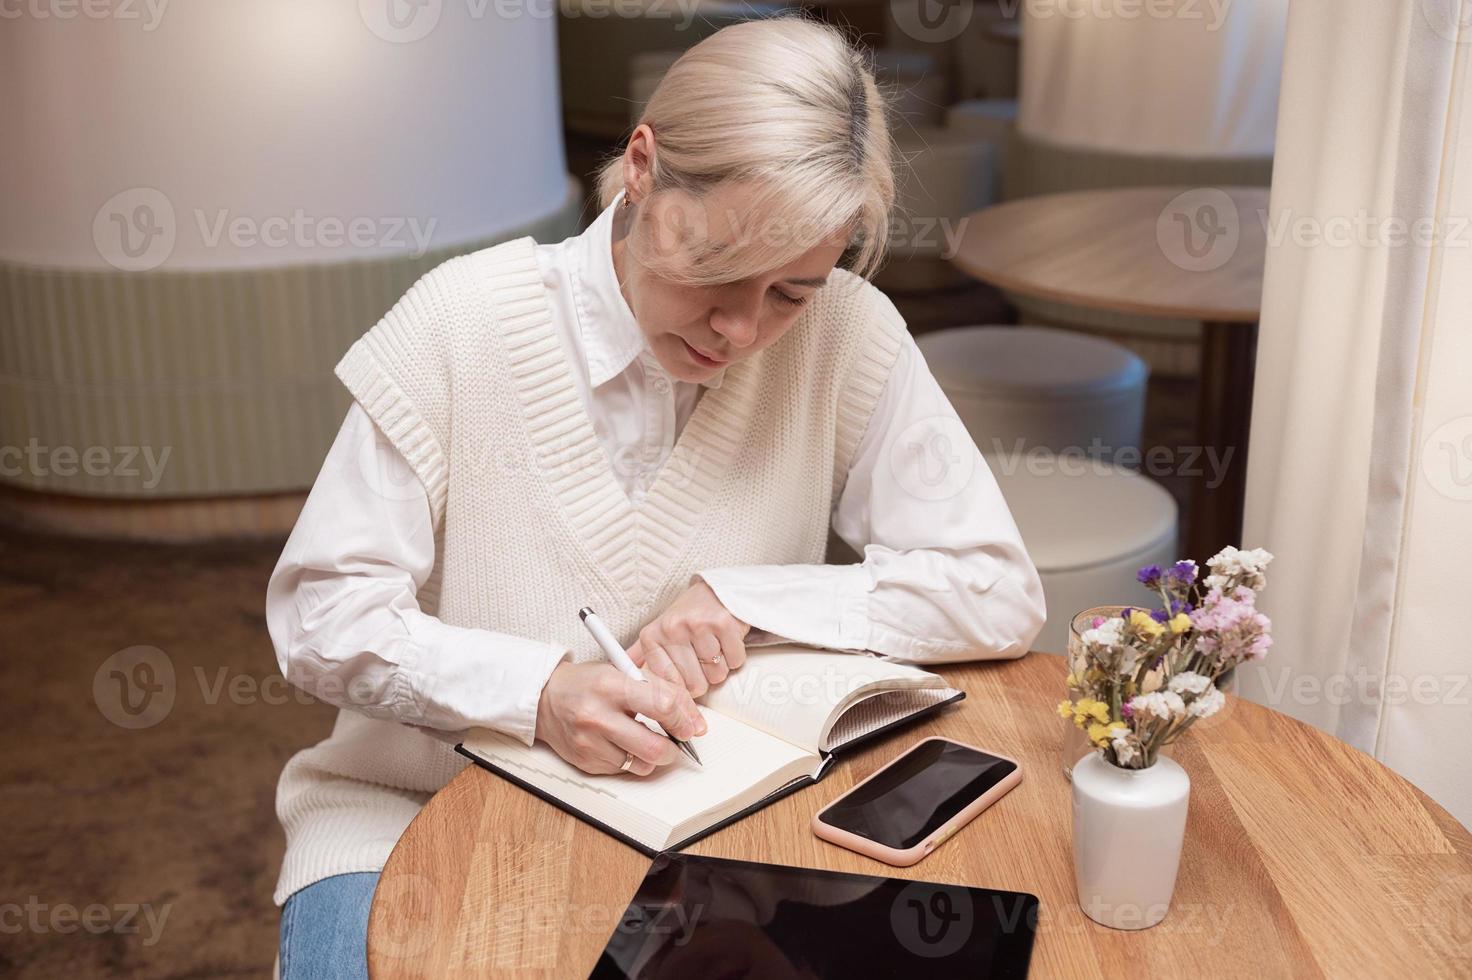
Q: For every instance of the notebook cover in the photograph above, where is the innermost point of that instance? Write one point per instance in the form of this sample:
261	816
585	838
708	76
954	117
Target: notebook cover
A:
772	797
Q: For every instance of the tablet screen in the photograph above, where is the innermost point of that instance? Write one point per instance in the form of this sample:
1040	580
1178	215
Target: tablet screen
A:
697	917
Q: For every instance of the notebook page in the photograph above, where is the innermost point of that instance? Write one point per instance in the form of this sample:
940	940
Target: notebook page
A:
792	692
880	709
736	757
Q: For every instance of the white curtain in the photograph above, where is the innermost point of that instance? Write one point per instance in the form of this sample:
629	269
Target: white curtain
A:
1177	78
1360	478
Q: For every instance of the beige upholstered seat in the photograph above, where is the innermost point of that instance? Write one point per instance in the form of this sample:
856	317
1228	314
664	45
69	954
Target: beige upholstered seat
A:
1020	389
1089	529
1048	408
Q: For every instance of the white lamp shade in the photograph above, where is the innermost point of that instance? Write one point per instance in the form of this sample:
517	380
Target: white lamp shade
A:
274	132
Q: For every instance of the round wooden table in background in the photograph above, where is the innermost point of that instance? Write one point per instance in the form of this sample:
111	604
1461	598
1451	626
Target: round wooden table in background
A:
1303	857
1186	252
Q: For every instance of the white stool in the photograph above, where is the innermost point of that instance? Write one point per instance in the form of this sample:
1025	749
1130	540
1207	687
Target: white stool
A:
947	175
1089	528
1020	389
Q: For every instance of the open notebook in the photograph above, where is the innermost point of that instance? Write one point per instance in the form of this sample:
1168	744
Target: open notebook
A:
775	725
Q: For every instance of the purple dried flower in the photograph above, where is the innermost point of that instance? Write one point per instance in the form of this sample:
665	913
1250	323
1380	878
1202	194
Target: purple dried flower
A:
1160	615
1149	576
1182	573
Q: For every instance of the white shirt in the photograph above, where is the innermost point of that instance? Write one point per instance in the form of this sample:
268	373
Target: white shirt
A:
944	574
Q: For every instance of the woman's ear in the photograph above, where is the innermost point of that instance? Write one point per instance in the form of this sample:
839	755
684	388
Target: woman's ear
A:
639	158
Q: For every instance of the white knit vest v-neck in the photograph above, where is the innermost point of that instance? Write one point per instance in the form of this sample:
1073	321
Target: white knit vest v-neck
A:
468	378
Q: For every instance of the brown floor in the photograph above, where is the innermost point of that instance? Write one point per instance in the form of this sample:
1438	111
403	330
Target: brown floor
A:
178	816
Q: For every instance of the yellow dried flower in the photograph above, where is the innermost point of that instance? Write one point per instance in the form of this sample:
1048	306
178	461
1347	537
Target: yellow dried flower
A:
1144	624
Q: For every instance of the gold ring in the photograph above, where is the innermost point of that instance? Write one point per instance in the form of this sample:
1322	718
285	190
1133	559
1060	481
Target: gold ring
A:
628	761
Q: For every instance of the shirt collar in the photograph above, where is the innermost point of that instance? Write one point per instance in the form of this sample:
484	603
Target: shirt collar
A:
612	337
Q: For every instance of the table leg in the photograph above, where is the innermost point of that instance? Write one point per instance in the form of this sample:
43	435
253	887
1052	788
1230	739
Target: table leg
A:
1224	416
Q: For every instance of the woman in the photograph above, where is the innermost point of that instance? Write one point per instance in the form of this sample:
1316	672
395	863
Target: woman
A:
659	418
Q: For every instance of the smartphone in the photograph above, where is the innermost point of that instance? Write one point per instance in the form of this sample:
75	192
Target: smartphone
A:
910	807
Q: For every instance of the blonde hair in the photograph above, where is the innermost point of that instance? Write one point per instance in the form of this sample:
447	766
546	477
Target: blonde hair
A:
788	109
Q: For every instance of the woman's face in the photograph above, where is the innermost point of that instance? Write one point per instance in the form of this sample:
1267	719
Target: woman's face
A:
695	331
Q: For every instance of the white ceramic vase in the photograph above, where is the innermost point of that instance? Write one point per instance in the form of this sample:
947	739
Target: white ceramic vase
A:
1128	825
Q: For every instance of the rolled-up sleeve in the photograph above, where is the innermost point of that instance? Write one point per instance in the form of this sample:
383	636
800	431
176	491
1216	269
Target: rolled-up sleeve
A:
944	575
343	612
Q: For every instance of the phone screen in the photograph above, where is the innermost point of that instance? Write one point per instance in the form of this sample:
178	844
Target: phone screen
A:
916	794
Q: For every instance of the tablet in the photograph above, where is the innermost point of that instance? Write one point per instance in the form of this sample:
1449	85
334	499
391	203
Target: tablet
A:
698	916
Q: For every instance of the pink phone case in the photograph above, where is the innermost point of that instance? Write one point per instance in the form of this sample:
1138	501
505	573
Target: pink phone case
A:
904	858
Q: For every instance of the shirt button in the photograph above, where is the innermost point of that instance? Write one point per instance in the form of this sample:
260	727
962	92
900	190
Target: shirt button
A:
661	385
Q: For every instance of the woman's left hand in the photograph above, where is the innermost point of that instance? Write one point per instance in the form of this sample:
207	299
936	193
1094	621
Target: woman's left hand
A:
695	642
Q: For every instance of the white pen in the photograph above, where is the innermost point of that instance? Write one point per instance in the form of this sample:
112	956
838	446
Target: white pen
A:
620	659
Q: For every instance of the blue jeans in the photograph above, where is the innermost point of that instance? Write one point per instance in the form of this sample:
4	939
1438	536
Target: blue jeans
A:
324	929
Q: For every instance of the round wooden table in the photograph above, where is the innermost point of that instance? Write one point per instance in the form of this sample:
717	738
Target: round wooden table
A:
1194	253
1303	857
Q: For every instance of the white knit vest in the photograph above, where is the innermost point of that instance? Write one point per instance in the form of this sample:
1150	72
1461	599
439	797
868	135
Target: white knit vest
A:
468	378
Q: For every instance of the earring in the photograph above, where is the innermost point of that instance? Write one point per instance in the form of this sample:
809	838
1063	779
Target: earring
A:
627	202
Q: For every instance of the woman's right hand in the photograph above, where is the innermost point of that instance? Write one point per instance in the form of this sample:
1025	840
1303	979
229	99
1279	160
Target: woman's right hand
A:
586	713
